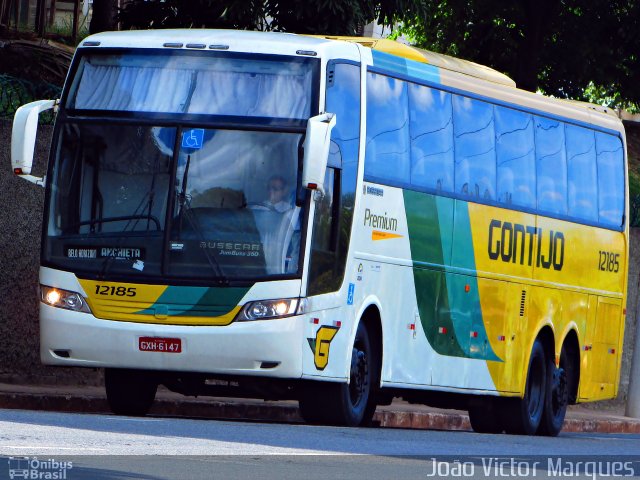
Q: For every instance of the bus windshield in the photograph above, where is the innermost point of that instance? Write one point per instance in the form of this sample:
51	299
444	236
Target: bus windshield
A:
193	83
194	203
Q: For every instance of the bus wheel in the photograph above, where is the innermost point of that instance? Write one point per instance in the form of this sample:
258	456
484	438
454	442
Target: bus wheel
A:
129	392
523	415
486	417
557	398
350	404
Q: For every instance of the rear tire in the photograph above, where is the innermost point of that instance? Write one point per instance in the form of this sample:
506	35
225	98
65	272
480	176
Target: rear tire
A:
557	398
524	415
487	417
129	392
349	404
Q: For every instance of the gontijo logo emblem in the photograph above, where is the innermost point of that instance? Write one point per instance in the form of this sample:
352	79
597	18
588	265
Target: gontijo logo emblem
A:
320	345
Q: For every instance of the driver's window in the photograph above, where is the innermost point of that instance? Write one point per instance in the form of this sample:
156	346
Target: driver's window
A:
324	261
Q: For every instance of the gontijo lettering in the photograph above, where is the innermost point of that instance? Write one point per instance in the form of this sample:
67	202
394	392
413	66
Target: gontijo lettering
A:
513	242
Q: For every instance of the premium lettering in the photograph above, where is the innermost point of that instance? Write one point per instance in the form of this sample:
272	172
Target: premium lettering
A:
380	221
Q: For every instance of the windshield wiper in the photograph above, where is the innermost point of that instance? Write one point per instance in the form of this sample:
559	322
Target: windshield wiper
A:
146	203
185	211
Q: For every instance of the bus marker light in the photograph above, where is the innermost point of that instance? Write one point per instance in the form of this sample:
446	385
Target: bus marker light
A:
612	351
17	171
412	326
315	321
467	288
501	338
337	323
442	330
587	348
312	186
474	334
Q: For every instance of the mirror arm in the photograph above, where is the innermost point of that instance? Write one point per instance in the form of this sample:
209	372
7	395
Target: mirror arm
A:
40	181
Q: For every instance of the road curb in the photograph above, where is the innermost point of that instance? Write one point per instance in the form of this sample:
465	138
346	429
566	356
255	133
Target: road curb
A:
277	412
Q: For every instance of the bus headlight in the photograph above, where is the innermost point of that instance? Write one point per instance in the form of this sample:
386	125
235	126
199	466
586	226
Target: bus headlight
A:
271	309
56	297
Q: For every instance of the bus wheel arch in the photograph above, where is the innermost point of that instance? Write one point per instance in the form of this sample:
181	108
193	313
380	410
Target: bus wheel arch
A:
524	415
570	361
351	403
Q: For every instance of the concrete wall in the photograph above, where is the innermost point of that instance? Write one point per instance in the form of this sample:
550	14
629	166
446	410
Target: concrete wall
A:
21	205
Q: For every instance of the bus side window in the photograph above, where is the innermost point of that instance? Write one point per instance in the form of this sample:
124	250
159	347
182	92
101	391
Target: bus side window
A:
582	173
334	213
610	179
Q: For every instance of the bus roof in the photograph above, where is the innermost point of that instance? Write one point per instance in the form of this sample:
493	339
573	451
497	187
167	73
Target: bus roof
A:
424	56
492	83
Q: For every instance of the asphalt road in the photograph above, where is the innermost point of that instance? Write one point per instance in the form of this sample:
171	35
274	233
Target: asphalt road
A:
109	447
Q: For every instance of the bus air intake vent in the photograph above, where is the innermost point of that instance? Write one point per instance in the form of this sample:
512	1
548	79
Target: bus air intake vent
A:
523	297
331	73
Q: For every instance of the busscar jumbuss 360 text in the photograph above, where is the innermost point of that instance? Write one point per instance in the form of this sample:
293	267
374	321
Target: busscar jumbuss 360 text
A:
339	221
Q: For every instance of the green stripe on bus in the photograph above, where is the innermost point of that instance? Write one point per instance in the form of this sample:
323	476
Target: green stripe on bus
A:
428	274
198	301
440	235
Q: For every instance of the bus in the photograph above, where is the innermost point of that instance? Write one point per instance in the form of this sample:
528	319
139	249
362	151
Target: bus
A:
337	221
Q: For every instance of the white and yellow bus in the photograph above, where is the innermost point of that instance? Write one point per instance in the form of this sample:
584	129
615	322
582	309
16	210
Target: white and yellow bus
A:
337	221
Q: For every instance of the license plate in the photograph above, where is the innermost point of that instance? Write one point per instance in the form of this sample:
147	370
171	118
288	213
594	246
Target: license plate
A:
160	344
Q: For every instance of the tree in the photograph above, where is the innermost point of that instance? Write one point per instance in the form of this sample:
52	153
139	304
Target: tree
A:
103	17
332	17
559	47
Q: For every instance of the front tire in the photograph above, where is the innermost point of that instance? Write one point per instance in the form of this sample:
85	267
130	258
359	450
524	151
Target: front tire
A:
524	415
487	417
129	392
348	404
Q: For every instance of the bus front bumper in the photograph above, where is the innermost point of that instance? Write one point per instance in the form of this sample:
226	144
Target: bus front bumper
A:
271	348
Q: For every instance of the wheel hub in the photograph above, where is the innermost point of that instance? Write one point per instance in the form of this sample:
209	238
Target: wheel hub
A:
559	387
359	376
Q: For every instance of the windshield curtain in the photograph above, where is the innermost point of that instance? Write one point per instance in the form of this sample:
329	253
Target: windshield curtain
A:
193	83
185	203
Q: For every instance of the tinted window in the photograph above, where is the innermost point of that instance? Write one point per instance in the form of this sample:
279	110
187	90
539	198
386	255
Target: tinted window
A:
516	158
582	173
551	166
610	179
387	150
334	214
431	128
194	82
475	153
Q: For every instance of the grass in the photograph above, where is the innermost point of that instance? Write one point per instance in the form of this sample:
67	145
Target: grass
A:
64	30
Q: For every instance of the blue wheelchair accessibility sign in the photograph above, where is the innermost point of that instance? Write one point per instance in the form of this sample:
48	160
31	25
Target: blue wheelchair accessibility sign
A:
352	287
193	138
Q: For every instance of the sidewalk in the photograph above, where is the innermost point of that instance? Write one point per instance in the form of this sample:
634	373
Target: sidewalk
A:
397	415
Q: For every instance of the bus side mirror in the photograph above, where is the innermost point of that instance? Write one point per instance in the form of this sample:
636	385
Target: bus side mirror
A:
316	150
23	138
